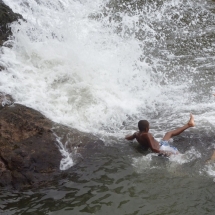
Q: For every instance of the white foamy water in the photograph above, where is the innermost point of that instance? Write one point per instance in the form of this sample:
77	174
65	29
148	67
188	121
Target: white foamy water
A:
173	162
73	70
95	65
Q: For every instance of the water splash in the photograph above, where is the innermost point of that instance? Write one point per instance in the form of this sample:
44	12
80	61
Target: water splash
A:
67	160
172	164
97	65
189	156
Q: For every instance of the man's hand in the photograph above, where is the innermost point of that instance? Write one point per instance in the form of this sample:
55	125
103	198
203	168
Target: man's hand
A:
129	137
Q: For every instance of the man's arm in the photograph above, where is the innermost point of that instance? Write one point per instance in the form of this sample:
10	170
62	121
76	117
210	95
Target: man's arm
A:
130	137
153	144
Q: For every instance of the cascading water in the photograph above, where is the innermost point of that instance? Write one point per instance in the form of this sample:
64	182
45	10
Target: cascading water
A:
95	65
69	66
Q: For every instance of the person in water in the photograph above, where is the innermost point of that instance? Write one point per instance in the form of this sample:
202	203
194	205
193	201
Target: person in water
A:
147	141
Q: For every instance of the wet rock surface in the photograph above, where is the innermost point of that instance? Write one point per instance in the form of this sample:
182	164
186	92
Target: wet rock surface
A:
29	145
28	150
7	16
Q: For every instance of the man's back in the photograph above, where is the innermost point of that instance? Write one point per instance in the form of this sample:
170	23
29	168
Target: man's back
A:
147	141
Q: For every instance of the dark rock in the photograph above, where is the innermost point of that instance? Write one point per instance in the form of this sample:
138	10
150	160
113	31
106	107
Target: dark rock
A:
7	16
30	146
28	150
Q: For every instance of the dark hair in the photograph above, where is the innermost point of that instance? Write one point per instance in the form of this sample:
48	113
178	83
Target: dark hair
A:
143	125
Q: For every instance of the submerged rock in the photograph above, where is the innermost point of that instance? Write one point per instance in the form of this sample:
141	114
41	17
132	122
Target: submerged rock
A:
7	16
29	150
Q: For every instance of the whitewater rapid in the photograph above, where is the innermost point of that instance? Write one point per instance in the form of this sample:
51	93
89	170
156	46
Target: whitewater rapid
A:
72	69
101	66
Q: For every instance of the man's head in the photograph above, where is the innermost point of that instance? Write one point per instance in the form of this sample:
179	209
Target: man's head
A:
143	125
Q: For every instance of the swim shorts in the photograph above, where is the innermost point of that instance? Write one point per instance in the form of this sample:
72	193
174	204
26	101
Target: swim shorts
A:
165	146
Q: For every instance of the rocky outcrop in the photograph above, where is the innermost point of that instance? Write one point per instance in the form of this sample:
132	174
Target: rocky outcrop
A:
29	150
29	154
7	16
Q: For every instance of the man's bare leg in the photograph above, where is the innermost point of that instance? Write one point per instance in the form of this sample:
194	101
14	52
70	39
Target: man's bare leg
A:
211	159
177	131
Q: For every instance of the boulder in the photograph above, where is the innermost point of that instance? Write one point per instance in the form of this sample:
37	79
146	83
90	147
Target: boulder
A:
29	154
31	145
7	16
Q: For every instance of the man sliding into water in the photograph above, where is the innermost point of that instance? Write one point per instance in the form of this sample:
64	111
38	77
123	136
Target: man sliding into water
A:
146	140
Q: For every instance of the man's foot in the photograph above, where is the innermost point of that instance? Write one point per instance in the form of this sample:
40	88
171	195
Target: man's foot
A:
191	121
212	159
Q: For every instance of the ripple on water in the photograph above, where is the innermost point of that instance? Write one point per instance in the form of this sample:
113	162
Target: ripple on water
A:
110	183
